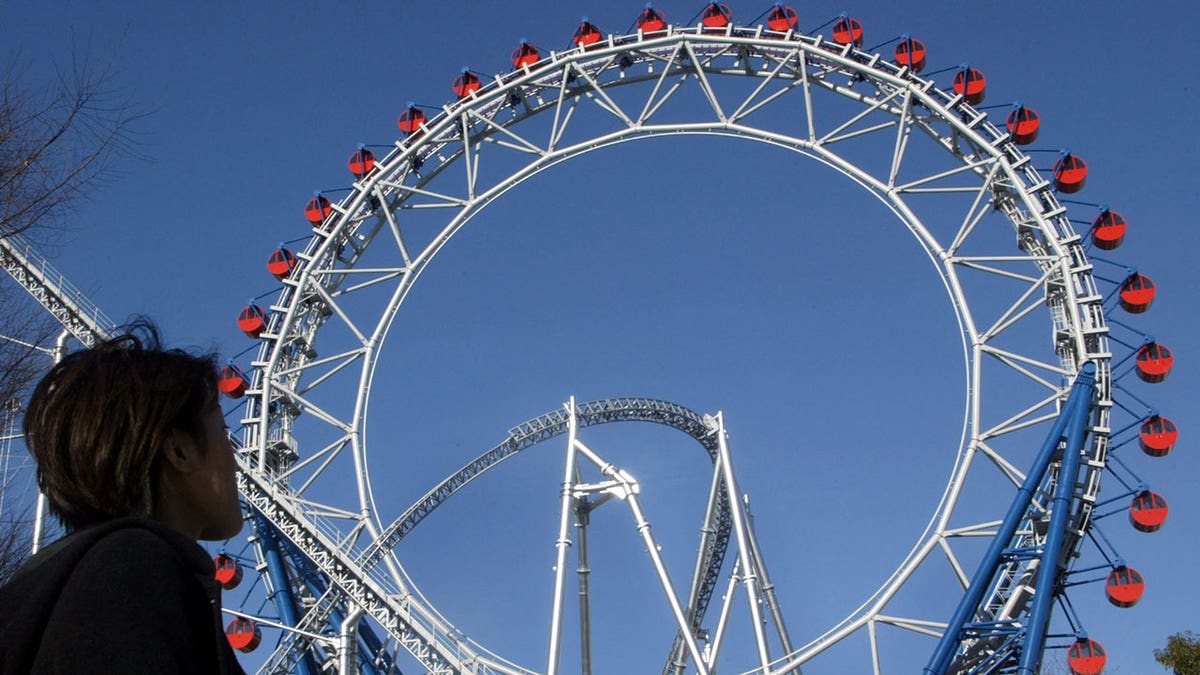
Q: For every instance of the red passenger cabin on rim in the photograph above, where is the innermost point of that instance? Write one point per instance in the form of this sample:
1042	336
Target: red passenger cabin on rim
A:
651	20
252	320
1148	511
847	30
317	210
281	263
911	53
715	17
1086	657
1108	230
232	382
971	84
1137	293
1157	436
782	19
587	34
243	635
361	162
1023	124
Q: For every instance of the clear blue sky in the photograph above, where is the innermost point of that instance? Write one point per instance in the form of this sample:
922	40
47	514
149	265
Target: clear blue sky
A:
720	276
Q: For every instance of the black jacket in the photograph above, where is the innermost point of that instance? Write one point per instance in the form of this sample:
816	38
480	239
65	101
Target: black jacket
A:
126	596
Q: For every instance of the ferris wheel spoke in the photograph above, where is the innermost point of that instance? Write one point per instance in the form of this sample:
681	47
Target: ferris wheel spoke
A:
596	94
1013	360
325	456
979	209
1007	468
840	133
657	95
705	85
309	407
974	263
970	167
922	626
960	574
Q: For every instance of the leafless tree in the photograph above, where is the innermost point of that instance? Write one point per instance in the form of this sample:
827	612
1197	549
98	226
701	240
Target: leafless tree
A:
58	141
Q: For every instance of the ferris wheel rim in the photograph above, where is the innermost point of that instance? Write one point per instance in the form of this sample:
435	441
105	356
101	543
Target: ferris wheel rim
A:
408	150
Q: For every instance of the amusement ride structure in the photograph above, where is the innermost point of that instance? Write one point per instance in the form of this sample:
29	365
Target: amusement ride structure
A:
1048	417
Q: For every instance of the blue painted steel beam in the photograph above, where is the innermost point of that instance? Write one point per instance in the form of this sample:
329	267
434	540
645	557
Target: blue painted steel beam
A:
1078	405
280	584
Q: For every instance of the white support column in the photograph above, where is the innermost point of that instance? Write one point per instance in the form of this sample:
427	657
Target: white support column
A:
563	543
737	510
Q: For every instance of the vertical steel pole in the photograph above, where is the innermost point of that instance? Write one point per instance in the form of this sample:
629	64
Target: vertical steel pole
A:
39	518
737	510
563	544
583	516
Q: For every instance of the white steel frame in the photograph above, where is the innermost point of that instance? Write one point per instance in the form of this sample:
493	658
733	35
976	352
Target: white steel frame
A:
364	248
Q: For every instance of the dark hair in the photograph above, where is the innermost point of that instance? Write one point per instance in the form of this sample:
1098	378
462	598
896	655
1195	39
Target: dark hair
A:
99	419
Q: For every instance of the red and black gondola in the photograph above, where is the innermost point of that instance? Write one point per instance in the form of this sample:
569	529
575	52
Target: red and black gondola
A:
1154	362
848	30
1124	586
281	263
911	53
252	320
587	34
317	209
228	572
361	162
243	635
1070	173
231	381
1023	125
1148	511
1108	230
1086	657
971	84
715	17
651	21
465	84
1157	436
781	19
1137	293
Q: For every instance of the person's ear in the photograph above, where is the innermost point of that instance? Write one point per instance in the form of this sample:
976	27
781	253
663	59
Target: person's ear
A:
181	452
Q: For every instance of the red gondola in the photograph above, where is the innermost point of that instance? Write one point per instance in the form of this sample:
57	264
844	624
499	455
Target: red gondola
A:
466	84
848	31
911	53
1023	124
651	20
587	34
228	571
715	17
243	635
253	321
1124	586
782	19
361	162
1137	293
1086	657
1154	362
525	55
1148	511
281	263
1157	436
1108	230
1070	172
971	83
232	382
317	209
411	119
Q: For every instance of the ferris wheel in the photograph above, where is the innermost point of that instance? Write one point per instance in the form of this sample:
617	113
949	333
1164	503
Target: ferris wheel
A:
1043	362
